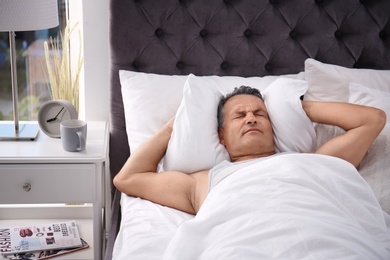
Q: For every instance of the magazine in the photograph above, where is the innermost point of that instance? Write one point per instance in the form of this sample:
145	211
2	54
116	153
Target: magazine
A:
33	238
40	255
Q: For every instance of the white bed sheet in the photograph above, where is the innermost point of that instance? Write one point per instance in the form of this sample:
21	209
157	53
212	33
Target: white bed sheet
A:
278	208
146	229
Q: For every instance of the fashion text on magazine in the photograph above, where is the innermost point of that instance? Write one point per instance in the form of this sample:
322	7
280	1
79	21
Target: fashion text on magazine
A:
32	238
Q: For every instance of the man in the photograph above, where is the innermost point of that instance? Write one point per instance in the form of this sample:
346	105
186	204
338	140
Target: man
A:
246	132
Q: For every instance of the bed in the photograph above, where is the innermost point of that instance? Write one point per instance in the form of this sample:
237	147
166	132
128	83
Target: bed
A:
177	57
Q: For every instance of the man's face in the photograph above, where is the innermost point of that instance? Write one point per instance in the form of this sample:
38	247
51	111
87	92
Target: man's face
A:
247	130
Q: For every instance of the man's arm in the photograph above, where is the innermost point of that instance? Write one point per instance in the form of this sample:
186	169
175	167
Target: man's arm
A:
361	123
139	177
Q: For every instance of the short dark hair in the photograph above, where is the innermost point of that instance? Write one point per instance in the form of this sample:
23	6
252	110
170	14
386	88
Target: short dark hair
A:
242	90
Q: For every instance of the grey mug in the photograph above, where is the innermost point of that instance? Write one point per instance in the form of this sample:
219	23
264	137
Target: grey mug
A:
73	135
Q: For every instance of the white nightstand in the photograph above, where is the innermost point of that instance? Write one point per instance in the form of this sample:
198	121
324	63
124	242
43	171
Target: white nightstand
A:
40	182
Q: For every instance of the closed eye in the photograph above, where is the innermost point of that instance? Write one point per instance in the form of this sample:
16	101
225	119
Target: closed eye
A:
260	113
239	115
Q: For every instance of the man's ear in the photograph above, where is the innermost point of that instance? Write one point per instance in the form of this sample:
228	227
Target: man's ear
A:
220	135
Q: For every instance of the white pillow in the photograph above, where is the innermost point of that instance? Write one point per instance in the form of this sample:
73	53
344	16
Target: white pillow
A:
194	144
330	82
293	129
149	101
362	95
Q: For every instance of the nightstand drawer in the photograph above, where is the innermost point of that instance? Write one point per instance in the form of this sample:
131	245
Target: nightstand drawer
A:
47	183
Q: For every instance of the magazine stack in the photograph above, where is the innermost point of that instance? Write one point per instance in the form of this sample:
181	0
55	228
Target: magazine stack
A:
40	241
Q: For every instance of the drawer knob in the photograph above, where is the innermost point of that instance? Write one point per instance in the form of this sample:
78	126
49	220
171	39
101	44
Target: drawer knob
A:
27	187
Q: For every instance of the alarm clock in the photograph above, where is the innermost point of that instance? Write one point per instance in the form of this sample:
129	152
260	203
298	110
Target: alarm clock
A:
52	113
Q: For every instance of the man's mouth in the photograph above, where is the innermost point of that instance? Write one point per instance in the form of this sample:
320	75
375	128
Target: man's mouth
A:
252	130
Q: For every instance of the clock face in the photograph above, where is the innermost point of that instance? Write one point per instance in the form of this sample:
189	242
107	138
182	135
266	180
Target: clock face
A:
52	113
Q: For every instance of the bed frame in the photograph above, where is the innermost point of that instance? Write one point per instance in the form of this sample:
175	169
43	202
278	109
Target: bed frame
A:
236	37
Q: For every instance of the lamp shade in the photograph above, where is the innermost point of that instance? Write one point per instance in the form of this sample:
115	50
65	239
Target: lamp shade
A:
28	15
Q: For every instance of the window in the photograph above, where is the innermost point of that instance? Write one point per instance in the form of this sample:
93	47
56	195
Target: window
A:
33	88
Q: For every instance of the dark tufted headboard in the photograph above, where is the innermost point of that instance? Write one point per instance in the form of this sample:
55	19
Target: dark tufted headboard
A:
238	37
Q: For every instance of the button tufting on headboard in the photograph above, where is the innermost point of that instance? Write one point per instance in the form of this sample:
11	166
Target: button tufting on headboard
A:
224	65
180	65
338	34
203	33
293	34
268	66
136	64
159	32
279	31
383	35
248	33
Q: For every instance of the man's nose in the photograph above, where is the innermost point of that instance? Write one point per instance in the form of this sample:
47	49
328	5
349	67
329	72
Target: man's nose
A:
250	118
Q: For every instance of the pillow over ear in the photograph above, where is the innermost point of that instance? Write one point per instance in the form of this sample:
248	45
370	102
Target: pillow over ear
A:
145	103
194	144
293	129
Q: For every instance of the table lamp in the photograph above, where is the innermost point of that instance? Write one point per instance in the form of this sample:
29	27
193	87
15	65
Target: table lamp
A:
23	15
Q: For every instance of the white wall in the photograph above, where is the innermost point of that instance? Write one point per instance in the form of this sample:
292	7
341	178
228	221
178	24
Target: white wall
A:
94	99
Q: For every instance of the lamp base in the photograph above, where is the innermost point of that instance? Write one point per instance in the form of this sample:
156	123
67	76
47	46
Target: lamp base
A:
26	132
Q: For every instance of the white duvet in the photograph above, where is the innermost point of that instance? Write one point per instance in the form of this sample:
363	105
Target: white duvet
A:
288	206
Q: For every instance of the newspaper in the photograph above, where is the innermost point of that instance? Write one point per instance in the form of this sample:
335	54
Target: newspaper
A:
32	238
41	255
